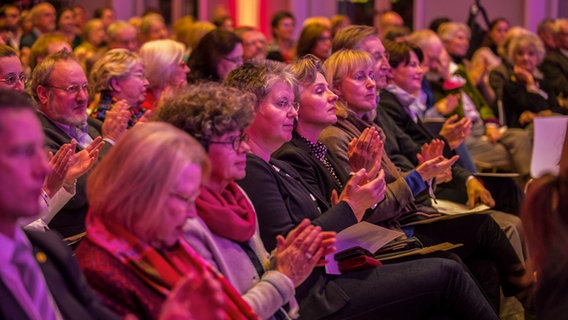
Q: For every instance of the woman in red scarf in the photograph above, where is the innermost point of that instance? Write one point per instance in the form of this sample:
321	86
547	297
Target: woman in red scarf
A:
140	196
226	232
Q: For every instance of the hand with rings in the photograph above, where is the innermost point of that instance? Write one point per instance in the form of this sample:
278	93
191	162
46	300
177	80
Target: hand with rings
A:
302	250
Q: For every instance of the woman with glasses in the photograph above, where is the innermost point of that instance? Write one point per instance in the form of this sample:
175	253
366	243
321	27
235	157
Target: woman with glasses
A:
119	79
283	200
225	232
216	54
12	76
133	254
164	67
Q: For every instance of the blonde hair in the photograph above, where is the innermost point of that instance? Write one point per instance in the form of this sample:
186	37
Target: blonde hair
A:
131	184
525	41
113	64
160	58
341	64
513	33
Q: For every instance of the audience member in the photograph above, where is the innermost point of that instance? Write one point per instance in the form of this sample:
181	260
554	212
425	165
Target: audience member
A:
11	75
218	52
355	113
388	19
487	57
39	279
81	18
527	94
59	87
196	31
93	45
282	200
224	22
338	22
106	14
133	254
118	77
546	33
122	35
165	69
11	16
152	27
282	47
503	72
45	45
490	145
43	17
225	231
66	26
555	63
254	43
314	39
544	217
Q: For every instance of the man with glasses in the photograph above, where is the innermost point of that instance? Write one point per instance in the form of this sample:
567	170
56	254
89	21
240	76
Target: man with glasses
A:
11	75
60	89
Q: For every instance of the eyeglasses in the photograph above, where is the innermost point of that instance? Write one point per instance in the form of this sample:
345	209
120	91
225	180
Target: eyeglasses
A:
12	78
286	105
235	60
235	141
73	89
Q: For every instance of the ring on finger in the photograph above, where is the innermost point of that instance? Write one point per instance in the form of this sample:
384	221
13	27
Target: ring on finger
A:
308	255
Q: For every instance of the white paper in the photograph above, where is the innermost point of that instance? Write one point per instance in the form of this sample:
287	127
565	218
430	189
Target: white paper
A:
549	133
363	234
453	208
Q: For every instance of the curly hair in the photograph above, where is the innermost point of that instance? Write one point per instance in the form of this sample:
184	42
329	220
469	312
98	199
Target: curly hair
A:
208	109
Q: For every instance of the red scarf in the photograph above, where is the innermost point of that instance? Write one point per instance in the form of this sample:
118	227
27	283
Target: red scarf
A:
163	270
228	214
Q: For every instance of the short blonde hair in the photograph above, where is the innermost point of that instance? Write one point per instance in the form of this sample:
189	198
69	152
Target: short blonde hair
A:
115	63
448	30
513	33
341	64
131	184
526	40
160	58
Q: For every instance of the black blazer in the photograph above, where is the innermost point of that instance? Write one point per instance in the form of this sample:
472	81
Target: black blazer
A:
296	153
70	220
73	296
394	120
555	69
282	200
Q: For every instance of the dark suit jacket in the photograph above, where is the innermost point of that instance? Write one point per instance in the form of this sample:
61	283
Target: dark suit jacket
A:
282	200
72	294
517	99
396	122
70	220
555	69
296	153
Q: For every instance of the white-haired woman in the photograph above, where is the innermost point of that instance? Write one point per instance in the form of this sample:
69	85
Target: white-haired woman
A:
165	67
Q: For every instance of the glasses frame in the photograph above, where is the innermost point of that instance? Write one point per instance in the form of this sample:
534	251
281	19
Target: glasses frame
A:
72	89
235	141
11	79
